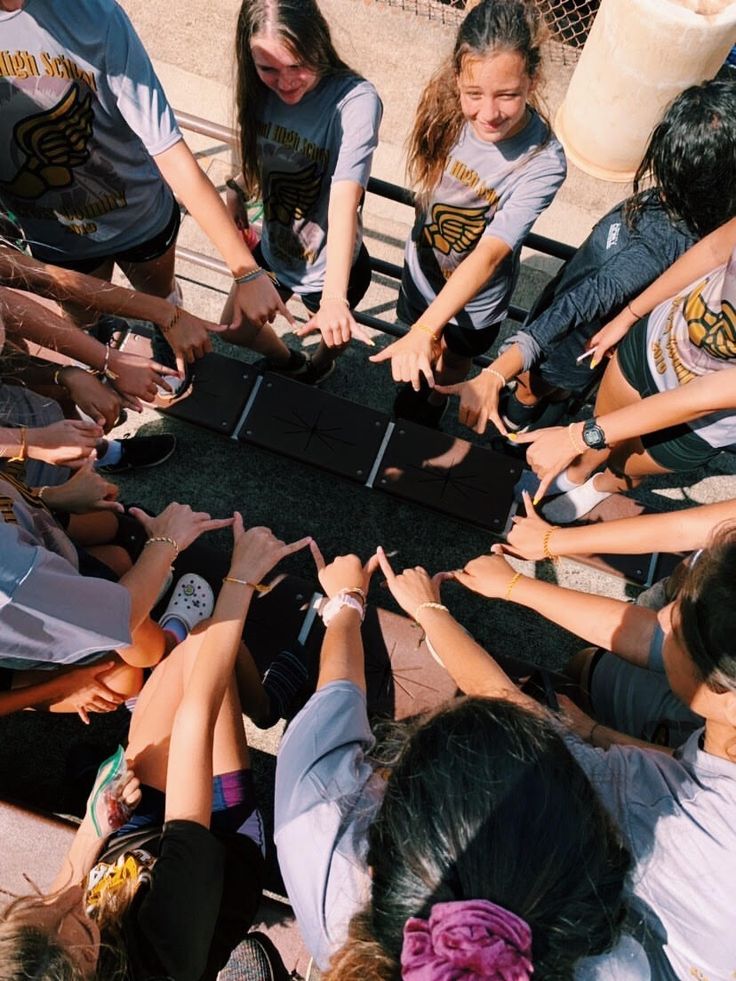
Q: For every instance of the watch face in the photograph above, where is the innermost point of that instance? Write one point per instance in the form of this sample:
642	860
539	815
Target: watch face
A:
593	436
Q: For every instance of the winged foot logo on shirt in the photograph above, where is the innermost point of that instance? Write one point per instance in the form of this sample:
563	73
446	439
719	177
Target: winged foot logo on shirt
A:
54	141
291	195
710	329
455	229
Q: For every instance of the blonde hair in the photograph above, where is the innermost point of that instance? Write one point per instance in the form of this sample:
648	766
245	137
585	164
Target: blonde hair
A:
493	26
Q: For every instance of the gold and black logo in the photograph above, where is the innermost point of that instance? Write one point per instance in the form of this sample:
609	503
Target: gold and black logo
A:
291	195
55	142
454	229
714	331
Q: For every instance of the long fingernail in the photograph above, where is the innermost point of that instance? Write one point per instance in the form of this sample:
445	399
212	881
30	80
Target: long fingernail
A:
536	500
513	437
594	364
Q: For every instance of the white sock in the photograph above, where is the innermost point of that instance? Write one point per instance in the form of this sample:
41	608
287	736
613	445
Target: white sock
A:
562	484
112	455
575	503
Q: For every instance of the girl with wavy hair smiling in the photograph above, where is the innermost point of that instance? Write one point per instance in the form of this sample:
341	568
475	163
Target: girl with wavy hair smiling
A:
484	164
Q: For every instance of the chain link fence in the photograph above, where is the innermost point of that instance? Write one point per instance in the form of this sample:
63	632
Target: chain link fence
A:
569	21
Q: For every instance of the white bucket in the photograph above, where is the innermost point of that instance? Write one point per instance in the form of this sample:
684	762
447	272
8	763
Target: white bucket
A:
639	56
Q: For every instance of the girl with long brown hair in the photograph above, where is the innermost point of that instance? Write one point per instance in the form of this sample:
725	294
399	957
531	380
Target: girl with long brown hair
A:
308	128
485	165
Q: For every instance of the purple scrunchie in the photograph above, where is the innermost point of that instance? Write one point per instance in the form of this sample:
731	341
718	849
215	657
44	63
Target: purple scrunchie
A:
465	941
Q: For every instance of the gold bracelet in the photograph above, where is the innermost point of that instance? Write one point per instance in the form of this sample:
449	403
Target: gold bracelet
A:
335	296
22	453
514	579
426	330
428	606
257	587
173	322
163	540
548	553
57	376
497	374
573	440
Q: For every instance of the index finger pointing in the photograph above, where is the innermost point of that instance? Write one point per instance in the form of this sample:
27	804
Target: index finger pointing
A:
283	309
385	564
296	546
319	559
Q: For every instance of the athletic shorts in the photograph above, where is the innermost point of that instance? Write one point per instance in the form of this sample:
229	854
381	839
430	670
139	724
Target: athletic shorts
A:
234	809
676	448
152	248
465	342
638	701
358	283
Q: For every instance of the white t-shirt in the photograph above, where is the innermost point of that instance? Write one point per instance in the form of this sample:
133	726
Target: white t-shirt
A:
694	334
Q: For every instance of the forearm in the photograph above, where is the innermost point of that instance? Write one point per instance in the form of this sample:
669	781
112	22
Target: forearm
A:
80	858
35	696
471	275
472	668
341	658
26	318
145	579
509	363
24	272
192	186
712	251
342	226
611	624
673	531
603	738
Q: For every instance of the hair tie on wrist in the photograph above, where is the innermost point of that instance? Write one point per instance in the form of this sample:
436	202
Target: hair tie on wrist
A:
470	938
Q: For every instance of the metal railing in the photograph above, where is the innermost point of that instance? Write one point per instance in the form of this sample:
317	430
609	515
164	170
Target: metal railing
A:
384	189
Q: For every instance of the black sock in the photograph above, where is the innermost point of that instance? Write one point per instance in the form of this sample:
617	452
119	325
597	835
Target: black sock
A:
284	678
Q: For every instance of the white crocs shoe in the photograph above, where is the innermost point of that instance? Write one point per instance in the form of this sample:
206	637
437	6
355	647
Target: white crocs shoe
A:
575	504
191	602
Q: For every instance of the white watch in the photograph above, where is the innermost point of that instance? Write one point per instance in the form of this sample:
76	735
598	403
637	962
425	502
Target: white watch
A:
333	606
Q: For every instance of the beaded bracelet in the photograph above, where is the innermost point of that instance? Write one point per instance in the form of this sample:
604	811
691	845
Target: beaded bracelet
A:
426	330
497	374
163	540
513	581
428	606
248	277
548	553
573	440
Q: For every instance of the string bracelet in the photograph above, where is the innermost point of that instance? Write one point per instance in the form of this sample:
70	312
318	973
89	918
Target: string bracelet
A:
512	582
428	606
249	276
257	587
546	550
579	447
632	311
163	540
22	453
590	734
165	328
496	374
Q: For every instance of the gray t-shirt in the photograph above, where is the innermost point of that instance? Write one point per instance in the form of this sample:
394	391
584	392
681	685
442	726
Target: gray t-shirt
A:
678	817
49	614
329	136
326	798
487	189
82	113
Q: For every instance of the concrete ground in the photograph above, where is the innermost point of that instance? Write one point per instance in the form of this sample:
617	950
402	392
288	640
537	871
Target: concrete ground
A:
191	45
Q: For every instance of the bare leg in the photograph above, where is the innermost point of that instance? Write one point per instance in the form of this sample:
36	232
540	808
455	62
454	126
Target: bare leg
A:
123	679
531	389
93	528
153	718
155	277
148	645
451	369
325	355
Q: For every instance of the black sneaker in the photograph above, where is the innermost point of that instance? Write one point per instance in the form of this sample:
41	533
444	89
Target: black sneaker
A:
255	959
300	367
142	452
416	407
